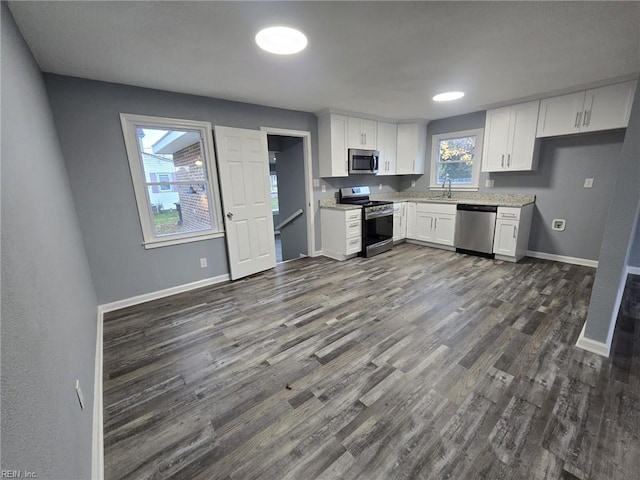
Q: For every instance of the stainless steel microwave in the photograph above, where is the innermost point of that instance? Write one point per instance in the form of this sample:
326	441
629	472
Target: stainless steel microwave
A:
363	161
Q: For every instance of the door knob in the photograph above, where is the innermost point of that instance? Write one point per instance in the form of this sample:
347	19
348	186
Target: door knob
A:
229	215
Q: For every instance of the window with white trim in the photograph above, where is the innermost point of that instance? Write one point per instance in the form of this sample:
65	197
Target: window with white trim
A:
173	169
456	157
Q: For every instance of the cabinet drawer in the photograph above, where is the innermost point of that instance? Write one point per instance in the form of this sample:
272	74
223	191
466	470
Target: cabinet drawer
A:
436	208
354	245
508	213
352	215
354	229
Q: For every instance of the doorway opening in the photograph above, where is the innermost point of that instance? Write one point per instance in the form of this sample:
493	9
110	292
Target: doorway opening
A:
288	196
292	185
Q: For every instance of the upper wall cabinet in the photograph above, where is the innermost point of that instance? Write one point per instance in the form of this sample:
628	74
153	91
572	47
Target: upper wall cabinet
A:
332	145
601	108
510	138
411	148
361	133
387	141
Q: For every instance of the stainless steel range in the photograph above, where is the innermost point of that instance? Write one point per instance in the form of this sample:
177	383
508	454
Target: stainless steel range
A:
377	220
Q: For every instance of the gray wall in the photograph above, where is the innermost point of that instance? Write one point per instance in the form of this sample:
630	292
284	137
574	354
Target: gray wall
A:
564	163
48	303
618	236
291	197
87	118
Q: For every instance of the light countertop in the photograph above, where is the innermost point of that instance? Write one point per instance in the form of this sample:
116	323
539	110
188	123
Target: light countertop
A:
474	198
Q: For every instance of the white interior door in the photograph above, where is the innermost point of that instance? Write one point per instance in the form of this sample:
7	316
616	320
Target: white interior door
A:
243	160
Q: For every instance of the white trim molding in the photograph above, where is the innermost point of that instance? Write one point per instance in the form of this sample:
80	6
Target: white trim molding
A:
593	346
147	297
97	451
564	259
633	270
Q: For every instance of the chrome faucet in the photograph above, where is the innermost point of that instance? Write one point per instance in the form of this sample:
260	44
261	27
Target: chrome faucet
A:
446	192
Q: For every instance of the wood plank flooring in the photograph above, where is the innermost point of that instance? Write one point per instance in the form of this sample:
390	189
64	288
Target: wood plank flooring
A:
415	364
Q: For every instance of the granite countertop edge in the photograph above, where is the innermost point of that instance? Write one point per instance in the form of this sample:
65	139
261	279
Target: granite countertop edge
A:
498	200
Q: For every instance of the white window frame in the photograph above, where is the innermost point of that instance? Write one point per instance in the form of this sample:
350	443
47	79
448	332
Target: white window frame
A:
477	161
165	183
130	122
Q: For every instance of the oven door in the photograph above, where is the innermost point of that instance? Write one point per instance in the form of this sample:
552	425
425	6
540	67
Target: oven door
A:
377	235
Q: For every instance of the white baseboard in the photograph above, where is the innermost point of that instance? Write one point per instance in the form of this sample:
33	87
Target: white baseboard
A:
564	259
317	253
633	270
593	346
97	451
147	297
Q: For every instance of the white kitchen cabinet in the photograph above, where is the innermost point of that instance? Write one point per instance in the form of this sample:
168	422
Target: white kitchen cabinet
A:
411	148
432	223
387	137
332	145
361	133
411	220
341	232
399	221
510	142
506	237
511	238
592	110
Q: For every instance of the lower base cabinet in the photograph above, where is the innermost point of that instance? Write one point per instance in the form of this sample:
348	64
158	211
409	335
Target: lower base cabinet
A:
341	233
511	238
399	221
431	223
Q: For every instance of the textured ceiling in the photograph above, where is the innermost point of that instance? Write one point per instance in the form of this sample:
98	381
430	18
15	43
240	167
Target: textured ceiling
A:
380	58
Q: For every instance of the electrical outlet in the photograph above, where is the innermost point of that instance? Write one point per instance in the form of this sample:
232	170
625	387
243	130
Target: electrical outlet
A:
488	183
80	396
558	224
324	188
203	262
588	182
413	183
316	183
380	187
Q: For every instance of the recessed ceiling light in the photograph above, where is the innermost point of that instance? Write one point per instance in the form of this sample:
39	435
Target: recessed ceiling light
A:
281	40
448	96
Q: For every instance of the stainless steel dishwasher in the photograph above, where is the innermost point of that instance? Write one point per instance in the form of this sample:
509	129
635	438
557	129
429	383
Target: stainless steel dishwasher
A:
475	227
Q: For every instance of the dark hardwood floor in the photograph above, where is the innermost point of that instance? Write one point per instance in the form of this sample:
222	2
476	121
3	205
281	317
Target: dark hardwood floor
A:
418	363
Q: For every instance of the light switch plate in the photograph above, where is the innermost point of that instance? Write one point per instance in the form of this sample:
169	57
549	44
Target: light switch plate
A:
489	183
380	187
413	183
324	188
203	262
588	182
316	183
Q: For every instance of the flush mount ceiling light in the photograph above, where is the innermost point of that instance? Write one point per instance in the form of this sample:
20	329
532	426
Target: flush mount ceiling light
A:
281	40
448	96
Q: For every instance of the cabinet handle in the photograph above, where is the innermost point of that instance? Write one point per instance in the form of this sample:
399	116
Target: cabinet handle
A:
587	117
365	138
353	225
575	124
515	231
508	160
353	242
436	223
584	120
431	225
502	161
